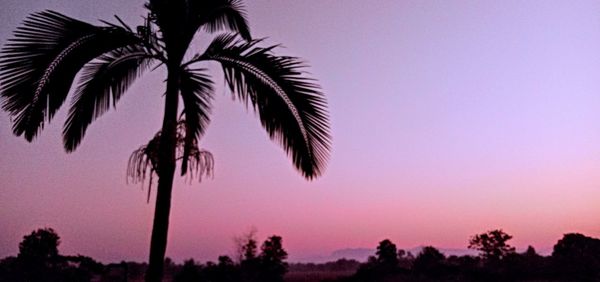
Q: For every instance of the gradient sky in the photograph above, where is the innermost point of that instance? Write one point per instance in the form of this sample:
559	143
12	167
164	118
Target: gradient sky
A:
449	118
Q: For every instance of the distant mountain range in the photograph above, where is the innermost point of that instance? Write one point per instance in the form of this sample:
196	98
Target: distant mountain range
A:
362	254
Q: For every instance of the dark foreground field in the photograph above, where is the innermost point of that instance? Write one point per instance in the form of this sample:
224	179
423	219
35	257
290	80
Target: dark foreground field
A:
307	276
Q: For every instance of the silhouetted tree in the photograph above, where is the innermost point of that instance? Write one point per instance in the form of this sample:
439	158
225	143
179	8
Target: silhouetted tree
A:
492	244
39	260
530	252
227	270
466	268
516	266
272	260
78	268
38	67
532	262
381	266
225	261
405	259
41	244
430	261
190	272
250	250
248	253
387	254
38	255
577	256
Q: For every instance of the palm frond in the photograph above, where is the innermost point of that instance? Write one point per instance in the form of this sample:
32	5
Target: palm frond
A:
144	163
291	106
196	93
180	20
224	15
103	82
39	64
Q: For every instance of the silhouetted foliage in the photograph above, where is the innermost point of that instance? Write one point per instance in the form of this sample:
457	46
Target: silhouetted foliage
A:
338	265
430	262
38	255
249	262
387	254
227	270
328	271
11	270
267	266
248	248
578	256
405	259
381	266
190	272
223	271
492	244
525	266
465	268
41	245
143	162
575	258
272	260
39	260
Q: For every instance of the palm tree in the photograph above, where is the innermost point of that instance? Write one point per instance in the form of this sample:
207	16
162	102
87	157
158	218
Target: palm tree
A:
39	64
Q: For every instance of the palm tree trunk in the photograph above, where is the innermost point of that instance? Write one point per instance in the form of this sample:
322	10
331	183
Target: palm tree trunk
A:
166	171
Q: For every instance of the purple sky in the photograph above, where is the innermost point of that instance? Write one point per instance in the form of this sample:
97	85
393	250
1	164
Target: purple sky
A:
449	118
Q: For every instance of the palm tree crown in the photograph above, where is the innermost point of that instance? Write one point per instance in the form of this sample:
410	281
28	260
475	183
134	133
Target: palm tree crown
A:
39	64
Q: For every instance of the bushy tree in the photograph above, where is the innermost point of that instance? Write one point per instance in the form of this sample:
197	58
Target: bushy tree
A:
272	260
248	256
39	260
492	244
41	244
429	261
250	250
387	254
38	255
246	245
577	256
381	266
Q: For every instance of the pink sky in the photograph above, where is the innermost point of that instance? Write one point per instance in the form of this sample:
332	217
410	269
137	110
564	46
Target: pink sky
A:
448	118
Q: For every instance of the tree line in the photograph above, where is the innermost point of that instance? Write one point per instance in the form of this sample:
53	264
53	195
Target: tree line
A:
39	260
575	257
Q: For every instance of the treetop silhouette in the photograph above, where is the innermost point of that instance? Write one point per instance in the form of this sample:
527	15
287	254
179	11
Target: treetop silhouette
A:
492	244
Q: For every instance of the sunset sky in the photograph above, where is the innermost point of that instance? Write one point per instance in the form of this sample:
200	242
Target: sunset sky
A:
448	118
